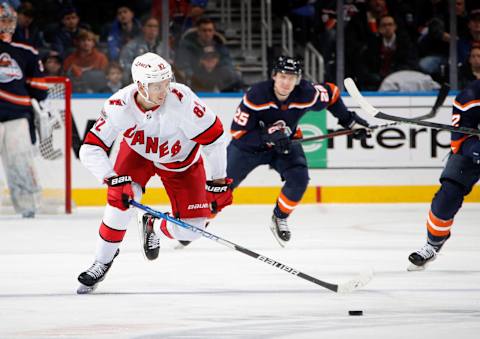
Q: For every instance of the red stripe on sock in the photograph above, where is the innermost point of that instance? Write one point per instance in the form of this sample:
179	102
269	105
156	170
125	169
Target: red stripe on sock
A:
164	229
111	235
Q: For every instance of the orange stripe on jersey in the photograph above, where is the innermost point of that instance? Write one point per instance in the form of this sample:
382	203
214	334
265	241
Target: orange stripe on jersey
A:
37	83
25	46
437	226
305	105
335	93
253	106
286	205
456	144
23	100
466	106
211	134
237	134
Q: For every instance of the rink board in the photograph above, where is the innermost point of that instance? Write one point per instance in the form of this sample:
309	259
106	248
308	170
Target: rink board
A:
399	164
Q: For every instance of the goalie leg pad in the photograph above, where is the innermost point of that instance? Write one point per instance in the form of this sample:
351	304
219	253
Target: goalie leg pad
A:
18	162
462	170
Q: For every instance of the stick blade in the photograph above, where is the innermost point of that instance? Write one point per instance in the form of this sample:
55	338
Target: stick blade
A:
356	283
355	94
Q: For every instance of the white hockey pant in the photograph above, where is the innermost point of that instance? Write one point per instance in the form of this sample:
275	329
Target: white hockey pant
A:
18	163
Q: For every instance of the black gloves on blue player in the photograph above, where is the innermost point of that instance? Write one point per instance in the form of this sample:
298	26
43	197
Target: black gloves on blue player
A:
355	123
278	138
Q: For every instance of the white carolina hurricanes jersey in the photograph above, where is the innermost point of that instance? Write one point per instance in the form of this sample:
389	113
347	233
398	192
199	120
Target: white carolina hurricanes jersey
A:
170	135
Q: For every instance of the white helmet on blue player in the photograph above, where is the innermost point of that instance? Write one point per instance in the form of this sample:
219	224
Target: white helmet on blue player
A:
150	68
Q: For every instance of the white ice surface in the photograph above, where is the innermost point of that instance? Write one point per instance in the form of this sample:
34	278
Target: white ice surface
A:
210	291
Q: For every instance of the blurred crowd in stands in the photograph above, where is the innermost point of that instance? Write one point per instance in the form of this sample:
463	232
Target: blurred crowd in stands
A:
95	42
383	37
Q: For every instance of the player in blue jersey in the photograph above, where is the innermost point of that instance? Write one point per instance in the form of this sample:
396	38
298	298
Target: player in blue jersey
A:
21	79
264	125
461	172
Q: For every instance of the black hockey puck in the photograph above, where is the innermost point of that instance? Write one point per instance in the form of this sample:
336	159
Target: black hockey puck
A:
355	312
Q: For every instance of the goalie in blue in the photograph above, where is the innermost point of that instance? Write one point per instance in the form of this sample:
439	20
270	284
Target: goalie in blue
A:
264	125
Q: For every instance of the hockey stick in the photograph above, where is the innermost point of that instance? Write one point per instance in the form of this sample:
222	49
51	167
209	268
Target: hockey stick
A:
346	287
442	95
340	133
367	107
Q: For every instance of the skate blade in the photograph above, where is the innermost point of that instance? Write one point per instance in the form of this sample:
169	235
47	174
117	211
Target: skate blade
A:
179	246
415	268
282	242
140	233
84	289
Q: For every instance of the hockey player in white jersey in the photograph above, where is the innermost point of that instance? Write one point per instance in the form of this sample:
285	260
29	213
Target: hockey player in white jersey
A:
163	124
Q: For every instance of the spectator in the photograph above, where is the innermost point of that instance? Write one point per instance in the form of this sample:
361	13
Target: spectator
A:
114	78
361	29
428	10
326	28
212	77
391	51
302	16
26	31
148	41
191	47
123	29
433	48
63	42
53	65
182	13
86	65
471	70
465	44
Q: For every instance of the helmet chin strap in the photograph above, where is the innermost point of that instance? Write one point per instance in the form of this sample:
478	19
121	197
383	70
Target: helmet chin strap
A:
146	97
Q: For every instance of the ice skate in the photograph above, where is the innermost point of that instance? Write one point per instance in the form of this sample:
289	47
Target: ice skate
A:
95	274
150	240
419	259
280	230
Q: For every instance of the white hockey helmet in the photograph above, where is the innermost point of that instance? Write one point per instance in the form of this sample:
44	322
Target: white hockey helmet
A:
150	67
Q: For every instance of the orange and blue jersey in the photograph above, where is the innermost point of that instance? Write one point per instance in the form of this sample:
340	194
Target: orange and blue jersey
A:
260	107
466	113
21	78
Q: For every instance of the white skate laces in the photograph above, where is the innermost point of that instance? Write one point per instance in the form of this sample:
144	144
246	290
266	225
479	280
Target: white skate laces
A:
97	270
282	225
153	241
427	252
280	230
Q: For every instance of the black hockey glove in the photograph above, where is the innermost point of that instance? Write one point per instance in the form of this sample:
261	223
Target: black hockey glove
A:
356	124
277	138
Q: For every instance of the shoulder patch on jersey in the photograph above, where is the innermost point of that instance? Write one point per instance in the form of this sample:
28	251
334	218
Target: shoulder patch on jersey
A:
116	102
178	94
